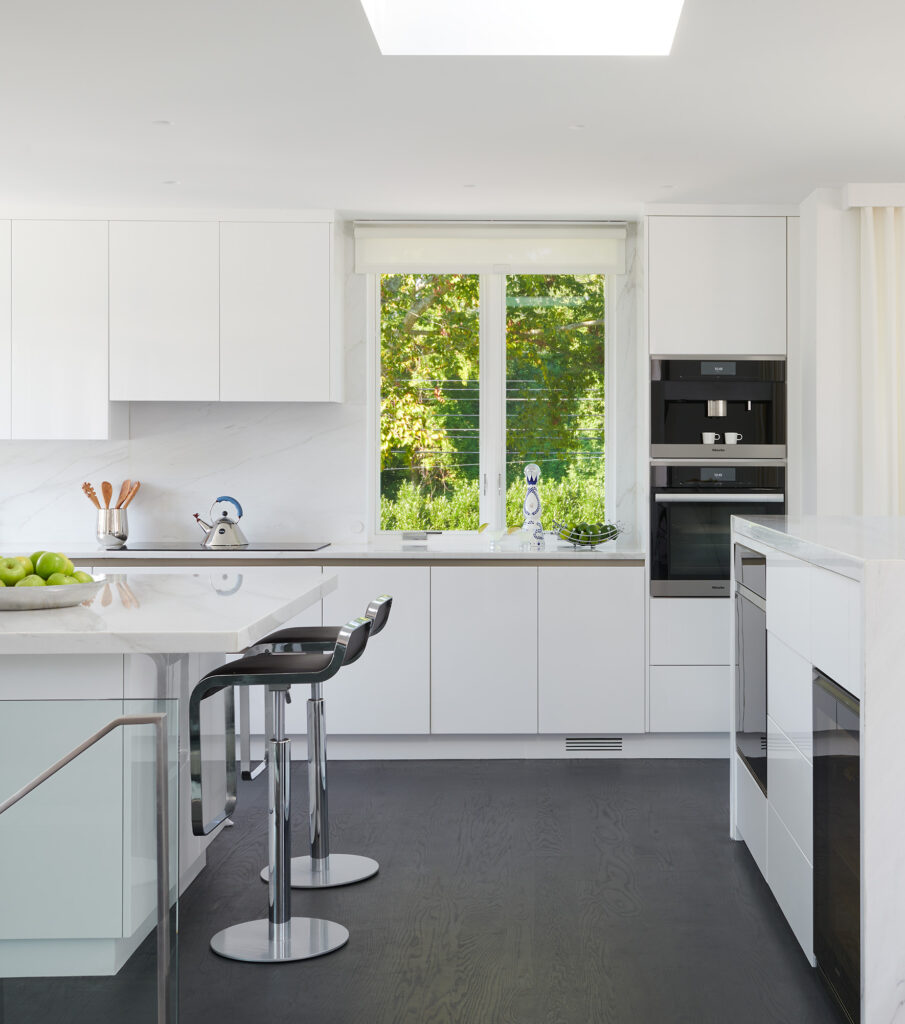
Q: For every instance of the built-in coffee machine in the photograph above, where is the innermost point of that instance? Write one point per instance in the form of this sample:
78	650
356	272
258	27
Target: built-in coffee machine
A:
718	409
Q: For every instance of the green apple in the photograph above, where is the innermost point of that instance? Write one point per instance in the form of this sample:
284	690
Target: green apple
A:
35	555
11	571
31	581
2	584
51	562
57	579
27	562
83	577
69	567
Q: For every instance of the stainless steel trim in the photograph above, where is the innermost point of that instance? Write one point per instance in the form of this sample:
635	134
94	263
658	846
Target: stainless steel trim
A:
828	686
318	822
732	452
717	407
749	595
719	498
689	588
166	1006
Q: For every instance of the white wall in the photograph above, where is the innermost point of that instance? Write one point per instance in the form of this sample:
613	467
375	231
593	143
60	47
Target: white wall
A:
827	391
299	470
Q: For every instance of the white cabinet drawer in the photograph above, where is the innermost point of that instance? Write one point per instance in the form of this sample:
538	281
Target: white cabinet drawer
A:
790	786
836	628
689	698
789	693
689	631
791	879
751	815
789	601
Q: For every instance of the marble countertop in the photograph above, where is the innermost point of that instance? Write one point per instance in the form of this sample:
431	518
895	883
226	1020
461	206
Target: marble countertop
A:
466	547
168	613
840	543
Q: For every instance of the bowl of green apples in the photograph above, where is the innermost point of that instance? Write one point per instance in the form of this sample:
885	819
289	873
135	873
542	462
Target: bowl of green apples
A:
44	579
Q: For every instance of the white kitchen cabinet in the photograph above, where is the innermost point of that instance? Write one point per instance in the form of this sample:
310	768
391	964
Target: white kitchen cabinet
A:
387	691
836	629
789	602
590	649
717	286
689	698
59	330
791	879
275	312
5	322
689	631
165	311
751	815
789	693
484	649
790	787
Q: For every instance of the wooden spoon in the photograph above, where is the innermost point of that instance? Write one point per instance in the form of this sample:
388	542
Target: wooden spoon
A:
89	491
133	490
107	491
123	491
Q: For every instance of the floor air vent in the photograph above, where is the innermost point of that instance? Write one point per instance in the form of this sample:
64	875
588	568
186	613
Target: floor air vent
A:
593	743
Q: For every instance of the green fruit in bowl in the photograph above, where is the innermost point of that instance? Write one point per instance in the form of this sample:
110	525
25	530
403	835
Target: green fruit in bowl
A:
31	581
50	562
27	562
57	579
83	577
11	571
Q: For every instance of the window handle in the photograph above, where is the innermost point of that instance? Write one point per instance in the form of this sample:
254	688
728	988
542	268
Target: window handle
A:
499	483
485	485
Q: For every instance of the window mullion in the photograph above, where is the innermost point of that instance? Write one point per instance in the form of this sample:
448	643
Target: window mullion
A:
493	400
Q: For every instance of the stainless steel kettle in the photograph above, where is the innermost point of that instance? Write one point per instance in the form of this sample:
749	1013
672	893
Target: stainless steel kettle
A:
223	532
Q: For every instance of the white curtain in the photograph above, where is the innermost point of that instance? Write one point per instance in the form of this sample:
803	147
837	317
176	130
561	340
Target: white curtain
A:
883	361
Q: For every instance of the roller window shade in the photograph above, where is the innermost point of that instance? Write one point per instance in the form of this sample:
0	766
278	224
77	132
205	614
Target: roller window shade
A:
446	248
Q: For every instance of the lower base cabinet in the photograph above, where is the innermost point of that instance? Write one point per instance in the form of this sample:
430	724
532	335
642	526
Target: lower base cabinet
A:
689	698
590	649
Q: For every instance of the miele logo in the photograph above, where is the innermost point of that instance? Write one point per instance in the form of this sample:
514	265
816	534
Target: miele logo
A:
718	586
717	368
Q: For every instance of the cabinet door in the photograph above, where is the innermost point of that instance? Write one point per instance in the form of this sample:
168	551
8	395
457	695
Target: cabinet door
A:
275	312
5	319
689	631
484	649
717	286
59	330
387	691
164	311
590	643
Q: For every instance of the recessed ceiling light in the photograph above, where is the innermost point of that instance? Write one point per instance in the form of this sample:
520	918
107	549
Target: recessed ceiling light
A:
524	27
667	186
171	181
162	124
469	186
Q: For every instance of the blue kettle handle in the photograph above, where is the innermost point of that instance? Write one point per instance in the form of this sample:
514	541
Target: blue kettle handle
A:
226	497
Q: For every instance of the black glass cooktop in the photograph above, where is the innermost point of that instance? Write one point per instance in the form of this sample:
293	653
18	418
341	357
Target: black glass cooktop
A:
175	545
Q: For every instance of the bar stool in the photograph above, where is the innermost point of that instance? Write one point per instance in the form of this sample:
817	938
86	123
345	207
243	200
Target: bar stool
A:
323	869
279	938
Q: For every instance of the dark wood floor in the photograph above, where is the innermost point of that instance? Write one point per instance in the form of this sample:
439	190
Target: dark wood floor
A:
509	892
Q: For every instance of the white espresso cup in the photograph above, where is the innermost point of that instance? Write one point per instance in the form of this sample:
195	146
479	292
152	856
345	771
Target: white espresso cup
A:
710	438
733	438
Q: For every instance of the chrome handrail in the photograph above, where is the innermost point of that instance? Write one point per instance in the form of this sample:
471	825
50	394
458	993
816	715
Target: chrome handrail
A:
157	719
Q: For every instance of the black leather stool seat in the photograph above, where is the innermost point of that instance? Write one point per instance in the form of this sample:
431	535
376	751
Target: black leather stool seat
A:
308	662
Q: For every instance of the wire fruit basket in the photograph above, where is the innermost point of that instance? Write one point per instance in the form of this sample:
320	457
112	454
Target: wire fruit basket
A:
587	535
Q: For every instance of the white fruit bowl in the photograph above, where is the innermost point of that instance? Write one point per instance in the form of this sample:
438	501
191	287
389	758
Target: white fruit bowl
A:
68	595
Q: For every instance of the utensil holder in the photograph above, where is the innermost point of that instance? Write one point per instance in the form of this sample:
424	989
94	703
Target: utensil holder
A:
112	527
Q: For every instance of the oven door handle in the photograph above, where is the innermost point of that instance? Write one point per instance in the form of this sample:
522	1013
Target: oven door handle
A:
724	498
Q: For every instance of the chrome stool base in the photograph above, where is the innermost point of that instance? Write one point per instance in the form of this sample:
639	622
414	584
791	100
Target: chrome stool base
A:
335	869
305	937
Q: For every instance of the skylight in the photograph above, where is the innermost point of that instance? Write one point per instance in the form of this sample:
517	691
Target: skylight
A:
613	28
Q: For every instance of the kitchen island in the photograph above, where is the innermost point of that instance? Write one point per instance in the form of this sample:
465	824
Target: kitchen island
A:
829	831
75	896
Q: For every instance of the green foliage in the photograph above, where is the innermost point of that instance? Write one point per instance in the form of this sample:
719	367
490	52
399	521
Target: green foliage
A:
430	359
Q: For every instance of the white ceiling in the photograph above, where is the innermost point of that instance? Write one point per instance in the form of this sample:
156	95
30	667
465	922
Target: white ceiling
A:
288	103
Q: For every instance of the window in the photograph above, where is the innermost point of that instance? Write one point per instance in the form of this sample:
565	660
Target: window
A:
481	372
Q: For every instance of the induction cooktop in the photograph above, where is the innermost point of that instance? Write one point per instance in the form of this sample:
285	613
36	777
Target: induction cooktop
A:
176	545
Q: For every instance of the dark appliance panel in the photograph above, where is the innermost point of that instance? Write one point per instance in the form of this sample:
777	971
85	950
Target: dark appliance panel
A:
690	398
751	666
837	847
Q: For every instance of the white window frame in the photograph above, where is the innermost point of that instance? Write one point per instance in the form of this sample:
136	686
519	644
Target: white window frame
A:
492	400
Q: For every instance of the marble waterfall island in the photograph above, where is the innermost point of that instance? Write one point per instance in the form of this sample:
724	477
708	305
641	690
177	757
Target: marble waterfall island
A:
76	884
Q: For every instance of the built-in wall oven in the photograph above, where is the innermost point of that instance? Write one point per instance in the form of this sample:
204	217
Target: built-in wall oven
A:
718	409
751	661
690	511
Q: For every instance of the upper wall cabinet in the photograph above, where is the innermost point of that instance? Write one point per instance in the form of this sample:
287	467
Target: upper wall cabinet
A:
275	312
717	286
59	330
164	311
5	317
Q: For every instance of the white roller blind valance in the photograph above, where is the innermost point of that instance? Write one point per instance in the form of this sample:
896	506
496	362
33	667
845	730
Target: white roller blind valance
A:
387	247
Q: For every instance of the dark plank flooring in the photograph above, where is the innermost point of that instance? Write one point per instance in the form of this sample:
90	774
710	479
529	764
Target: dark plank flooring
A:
509	892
